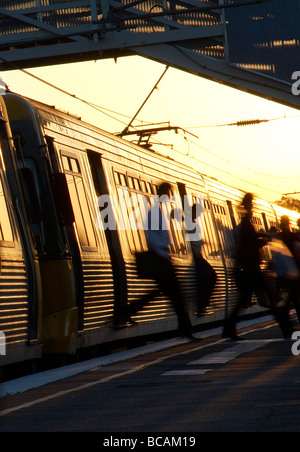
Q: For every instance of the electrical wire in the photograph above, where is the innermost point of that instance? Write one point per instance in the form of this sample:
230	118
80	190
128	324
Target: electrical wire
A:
247	122
100	109
90	104
227	173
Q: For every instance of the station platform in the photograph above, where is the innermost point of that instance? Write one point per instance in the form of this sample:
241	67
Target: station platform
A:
174	386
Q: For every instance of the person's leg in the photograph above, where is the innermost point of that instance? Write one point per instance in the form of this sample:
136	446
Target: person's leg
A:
137	305
229	330
168	283
281	313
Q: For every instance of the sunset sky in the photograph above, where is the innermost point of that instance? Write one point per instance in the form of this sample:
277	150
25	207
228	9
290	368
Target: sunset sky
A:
263	159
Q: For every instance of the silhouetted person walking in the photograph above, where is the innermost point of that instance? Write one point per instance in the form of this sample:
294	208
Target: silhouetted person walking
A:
249	275
159	243
291	239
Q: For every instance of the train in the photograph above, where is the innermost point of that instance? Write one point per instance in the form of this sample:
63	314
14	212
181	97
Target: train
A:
65	274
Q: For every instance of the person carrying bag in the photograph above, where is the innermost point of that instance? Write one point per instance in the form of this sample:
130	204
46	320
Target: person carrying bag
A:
156	264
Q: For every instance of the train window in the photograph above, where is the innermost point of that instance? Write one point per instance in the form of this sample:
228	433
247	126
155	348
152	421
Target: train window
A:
6	233
66	163
120	179
117	178
143	186
178	244
136	184
257	223
70	164
226	237
207	226
123	180
219	209
211	246
132	212
75	167
148	187
81	209
133	208
83	219
206	204
223	222
130	182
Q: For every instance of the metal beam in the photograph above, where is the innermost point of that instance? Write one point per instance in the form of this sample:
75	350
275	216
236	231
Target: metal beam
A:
38	24
113	33
221	72
187	34
114	44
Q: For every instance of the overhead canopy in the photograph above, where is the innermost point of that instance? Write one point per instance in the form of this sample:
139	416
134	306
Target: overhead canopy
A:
252	45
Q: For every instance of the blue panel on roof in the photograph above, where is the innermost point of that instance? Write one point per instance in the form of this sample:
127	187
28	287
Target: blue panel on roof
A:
266	37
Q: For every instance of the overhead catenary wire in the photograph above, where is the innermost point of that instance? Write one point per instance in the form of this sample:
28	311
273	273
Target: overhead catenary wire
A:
247	122
249	182
226	172
74	96
90	104
99	108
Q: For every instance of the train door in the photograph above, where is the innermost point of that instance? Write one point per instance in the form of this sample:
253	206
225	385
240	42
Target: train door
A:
217	222
223	221
30	165
59	313
101	185
133	193
20	285
136	192
98	295
19	309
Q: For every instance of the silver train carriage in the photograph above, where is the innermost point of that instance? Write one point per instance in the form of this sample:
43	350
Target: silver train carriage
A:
20	280
82	179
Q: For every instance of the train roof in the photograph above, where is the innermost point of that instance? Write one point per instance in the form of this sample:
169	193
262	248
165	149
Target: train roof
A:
79	124
23	108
